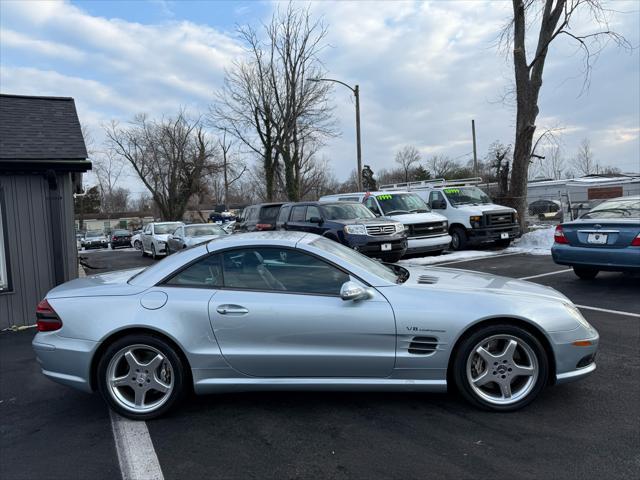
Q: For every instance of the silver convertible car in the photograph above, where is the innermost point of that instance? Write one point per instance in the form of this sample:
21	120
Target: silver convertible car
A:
292	310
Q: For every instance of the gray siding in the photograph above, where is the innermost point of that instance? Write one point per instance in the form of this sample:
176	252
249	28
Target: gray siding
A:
28	227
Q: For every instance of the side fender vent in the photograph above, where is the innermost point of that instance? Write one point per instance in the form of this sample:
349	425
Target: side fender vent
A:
423	345
427	279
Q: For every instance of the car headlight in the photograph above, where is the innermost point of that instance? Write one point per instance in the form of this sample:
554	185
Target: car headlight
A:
355	229
577	315
475	220
400	228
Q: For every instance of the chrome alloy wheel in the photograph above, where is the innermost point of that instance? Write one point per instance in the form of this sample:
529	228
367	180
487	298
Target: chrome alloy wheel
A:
502	369
140	378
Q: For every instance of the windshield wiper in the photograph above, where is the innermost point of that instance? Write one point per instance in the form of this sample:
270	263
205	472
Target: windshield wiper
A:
419	210
396	211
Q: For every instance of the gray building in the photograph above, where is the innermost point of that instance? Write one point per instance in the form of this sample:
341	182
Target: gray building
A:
42	158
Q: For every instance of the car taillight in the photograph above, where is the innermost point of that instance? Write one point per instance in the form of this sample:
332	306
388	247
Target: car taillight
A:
47	318
636	241
558	235
263	226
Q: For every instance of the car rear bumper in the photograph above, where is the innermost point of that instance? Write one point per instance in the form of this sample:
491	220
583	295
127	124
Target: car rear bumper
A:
428	244
491	234
602	258
65	360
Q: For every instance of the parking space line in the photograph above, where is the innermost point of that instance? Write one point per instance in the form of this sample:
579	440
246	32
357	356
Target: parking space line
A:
546	274
606	310
136	455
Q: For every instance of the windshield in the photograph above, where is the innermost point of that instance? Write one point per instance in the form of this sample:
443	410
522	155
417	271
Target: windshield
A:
203	230
355	258
399	203
94	233
120	232
161	228
617	208
466	196
269	213
346	211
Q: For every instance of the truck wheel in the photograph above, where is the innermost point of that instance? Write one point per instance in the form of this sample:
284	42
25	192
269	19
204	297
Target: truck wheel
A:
585	273
458	238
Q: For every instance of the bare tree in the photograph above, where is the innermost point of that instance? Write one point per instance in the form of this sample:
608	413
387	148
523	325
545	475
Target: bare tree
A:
408	158
441	166
554	19
171	156
232	168
108	169
583	162
267	101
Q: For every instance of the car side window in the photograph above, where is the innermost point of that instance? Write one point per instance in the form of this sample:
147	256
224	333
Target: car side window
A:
280	270
436	198
283	216
312	211
371	204
297	213
206	272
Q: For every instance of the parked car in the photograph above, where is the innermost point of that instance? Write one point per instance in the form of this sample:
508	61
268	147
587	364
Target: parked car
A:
607	238
154	238
186	236
136	241
426	231
229	226
120	238
351	224
221	217
258	217
294	310
95	239
544	206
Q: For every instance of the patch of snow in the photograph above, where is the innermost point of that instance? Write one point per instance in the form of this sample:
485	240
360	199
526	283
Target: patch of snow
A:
536	242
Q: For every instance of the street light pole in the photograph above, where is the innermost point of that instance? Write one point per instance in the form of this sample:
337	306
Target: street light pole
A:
356	93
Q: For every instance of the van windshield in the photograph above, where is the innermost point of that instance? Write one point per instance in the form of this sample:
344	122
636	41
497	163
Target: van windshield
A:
466	196
401	203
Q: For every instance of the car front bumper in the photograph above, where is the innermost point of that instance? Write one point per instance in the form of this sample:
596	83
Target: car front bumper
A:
601	258
371	245
574	362
491	234
428	244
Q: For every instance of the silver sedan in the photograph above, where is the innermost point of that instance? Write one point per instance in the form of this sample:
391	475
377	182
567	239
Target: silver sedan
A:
186	236
292	310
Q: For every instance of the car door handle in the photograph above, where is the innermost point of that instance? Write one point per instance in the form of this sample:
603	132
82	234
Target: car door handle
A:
231	310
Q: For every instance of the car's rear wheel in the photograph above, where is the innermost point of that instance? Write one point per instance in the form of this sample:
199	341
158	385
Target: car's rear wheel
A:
141	376
585	273
458	238
501	367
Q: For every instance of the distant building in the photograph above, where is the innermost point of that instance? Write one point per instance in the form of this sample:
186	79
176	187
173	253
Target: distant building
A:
42	158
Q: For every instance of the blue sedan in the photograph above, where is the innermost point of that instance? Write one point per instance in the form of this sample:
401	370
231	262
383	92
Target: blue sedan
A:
605	239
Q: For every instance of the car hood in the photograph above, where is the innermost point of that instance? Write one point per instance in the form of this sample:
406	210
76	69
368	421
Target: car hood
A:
478	209
112	283
201	239
454	279
163	237
363	221
413	218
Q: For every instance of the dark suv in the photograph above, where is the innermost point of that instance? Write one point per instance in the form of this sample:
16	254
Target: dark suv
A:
258	217
351	224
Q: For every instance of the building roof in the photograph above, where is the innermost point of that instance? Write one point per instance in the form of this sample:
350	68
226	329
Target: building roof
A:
41	132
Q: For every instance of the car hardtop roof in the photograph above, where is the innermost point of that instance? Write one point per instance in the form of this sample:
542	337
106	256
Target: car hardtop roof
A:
266	204
165	223
375	192
319	203
277	238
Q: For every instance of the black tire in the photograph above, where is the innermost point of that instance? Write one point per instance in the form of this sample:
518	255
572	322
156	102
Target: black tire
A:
154	255
137	245
144	254
503	243
458	238
465	350
178	370
585	273
391	257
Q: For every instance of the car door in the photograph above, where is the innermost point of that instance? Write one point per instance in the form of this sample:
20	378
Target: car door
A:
371	203
176	240
314	227
146	237
280	314
297	219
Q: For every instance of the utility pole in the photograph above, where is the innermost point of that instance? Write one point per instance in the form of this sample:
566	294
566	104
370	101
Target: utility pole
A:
475	155
356	92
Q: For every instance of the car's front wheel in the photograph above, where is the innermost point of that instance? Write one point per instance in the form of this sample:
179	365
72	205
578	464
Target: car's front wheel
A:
585	273
154	255
141	376
137	245
458	238
391	257
501	367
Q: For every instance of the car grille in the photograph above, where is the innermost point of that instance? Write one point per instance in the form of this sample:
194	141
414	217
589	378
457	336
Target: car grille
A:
381	229
499	219
423	345
430	229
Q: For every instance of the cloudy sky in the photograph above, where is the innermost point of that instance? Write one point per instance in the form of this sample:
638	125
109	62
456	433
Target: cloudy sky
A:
425	69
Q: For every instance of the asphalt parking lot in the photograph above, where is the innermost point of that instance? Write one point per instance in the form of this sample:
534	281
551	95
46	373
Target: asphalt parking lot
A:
588	429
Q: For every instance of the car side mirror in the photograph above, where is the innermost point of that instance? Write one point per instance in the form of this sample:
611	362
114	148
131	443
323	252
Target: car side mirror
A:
317	220
353	291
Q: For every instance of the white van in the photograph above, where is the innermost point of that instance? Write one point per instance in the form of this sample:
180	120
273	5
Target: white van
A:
426	231
473	217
